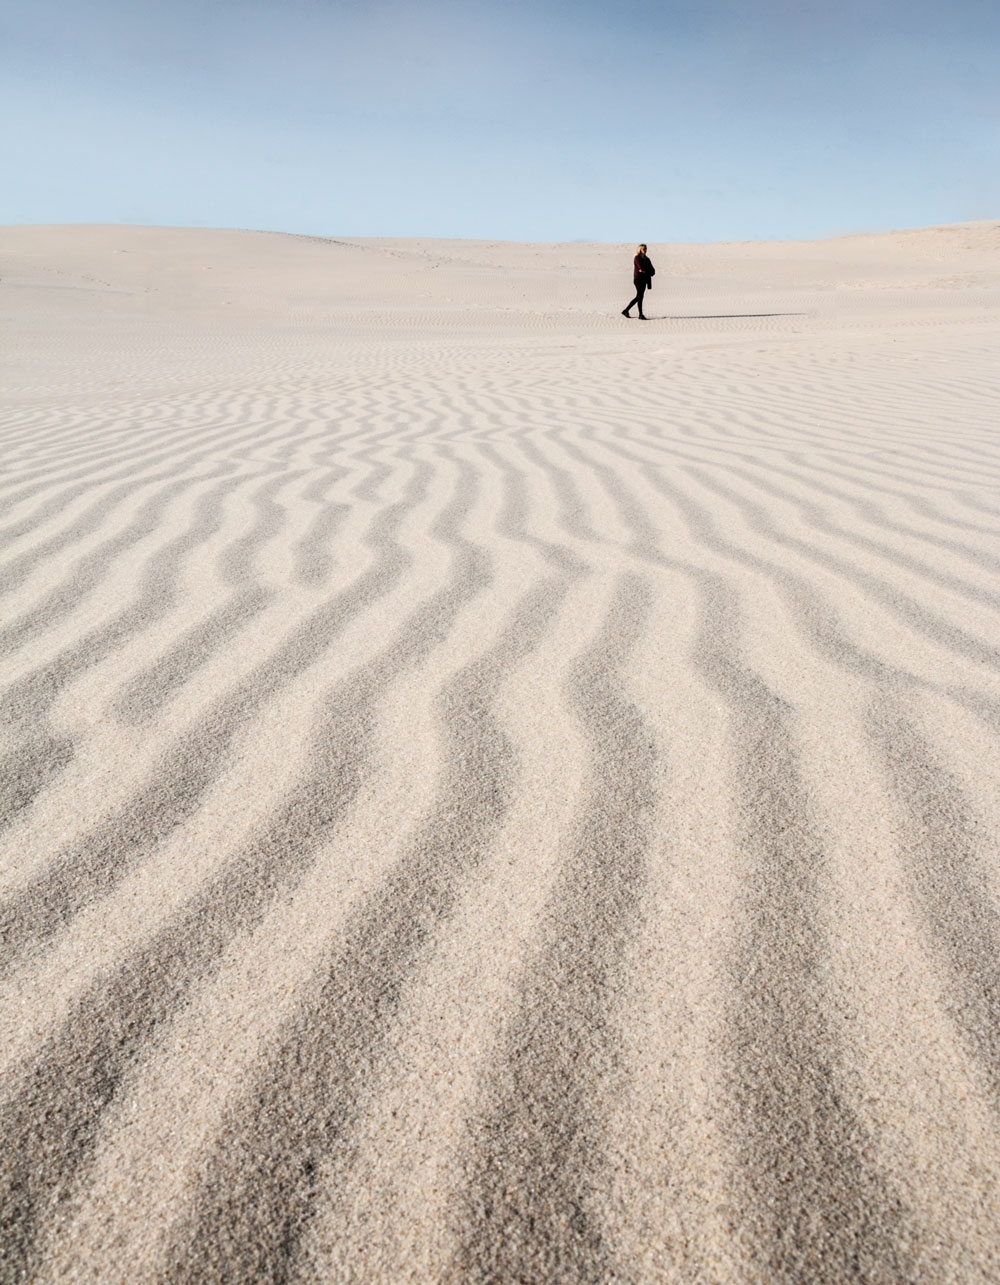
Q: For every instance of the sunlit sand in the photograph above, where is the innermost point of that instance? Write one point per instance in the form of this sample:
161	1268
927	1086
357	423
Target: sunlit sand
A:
492	791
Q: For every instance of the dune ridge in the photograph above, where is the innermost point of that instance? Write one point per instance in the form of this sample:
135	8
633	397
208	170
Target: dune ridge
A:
490	791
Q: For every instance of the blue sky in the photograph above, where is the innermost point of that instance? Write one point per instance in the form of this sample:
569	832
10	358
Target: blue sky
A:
663	121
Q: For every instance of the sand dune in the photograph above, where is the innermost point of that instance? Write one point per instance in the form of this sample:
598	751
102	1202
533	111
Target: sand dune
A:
491	791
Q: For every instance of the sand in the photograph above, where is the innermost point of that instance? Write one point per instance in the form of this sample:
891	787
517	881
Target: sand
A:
491	791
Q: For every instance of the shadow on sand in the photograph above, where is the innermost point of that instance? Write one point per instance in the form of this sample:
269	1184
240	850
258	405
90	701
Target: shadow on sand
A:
723	316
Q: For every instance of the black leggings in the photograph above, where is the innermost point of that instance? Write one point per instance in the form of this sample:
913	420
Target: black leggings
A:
640	290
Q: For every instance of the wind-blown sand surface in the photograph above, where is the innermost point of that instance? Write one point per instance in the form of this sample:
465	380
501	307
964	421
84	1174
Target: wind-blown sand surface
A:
491	791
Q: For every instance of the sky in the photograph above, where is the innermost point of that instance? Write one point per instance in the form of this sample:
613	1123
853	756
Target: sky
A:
530	120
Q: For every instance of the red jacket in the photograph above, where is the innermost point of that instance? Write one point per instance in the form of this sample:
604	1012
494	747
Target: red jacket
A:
642	269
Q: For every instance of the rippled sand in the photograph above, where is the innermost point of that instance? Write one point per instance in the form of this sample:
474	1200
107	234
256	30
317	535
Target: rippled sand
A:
492	792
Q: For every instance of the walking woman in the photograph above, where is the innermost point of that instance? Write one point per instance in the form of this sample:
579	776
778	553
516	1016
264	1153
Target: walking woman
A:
642	274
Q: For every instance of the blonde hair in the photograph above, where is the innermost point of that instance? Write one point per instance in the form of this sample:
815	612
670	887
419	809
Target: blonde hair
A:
641	249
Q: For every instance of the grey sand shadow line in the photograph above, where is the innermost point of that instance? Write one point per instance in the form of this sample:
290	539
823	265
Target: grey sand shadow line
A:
534	1154
774	1078
721	316
267	1164
93	865
157	979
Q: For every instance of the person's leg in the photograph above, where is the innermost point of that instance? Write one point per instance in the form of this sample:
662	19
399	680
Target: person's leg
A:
636	300
640	290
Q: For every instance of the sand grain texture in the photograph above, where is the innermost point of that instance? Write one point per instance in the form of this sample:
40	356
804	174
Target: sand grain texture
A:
490	791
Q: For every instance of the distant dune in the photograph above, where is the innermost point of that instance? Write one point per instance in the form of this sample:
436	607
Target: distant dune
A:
492	791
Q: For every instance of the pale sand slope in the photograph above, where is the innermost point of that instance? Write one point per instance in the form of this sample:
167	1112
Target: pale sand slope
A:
491	791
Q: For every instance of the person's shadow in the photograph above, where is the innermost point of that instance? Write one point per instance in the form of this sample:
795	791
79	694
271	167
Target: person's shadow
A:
721	316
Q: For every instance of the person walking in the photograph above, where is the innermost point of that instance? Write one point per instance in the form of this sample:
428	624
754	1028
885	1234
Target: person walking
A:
642	275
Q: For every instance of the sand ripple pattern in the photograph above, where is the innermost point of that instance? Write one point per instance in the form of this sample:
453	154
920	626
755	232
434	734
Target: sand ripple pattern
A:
505	811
